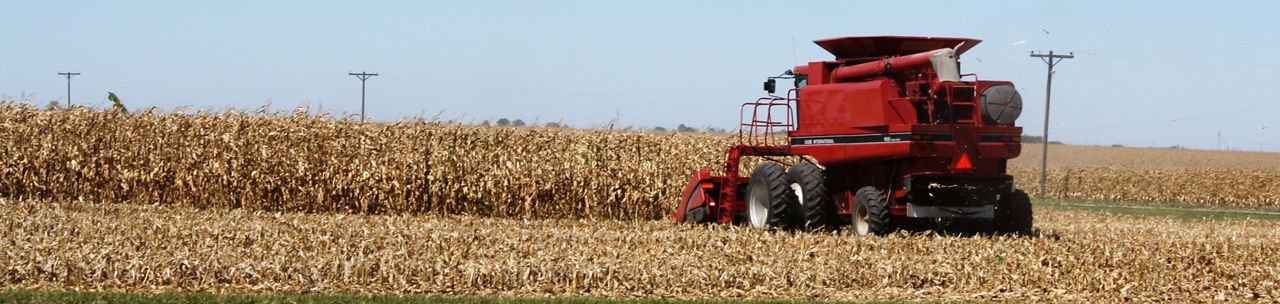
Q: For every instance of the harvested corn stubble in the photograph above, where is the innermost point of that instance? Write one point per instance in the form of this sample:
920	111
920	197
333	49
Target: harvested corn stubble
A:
1075	257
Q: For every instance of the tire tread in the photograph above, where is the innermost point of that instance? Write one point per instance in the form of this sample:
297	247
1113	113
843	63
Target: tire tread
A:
877	210
782	201
1013	214
816	210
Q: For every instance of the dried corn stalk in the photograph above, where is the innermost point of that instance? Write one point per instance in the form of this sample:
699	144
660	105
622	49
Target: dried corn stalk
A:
299	162
1076	257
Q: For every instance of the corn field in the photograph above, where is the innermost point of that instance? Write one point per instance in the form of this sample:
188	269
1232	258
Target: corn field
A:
293	161
300	162
253	202
1075	257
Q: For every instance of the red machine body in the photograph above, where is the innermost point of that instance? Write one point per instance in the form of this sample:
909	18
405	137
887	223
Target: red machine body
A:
891	114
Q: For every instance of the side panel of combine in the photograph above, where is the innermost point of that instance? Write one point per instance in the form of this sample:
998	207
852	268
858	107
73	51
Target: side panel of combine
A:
835	108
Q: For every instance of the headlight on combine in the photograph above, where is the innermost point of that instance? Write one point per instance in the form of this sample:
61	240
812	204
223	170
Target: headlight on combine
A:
1001	105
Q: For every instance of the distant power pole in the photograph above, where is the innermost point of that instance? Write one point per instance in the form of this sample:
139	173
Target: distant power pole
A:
1219	139
68	74
363	76
1051	60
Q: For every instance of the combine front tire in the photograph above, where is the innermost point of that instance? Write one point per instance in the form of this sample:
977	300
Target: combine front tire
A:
770	200
870	213
810	187
1013	213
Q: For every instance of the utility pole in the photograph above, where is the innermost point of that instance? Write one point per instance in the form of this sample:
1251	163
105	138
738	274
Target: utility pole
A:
1050	60
68	74
363	76
1219	139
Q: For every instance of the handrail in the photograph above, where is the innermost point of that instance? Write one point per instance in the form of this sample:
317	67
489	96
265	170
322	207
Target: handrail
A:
760	130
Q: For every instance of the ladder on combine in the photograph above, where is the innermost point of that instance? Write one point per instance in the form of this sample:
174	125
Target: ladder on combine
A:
964	102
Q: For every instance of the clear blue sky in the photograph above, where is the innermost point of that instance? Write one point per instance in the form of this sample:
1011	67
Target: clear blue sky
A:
1146	73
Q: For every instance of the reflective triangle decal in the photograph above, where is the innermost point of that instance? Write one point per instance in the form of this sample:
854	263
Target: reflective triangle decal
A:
964	162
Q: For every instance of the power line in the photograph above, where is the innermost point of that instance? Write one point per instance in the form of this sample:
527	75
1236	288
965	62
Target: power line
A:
1151	58
596	94
611	93
1050	60
1164	121
1183	47
363	76
68	74
1261	144
1246	139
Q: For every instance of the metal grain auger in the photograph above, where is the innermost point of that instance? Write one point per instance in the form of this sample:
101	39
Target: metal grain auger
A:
903	137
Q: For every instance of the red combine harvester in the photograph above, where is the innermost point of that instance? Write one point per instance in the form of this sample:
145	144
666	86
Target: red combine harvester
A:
903	139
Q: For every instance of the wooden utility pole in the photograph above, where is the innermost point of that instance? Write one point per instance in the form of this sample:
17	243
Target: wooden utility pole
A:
68	74
363	76
1051	60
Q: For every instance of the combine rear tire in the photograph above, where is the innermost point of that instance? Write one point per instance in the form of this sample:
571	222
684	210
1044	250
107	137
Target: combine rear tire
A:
870	213
810	187
770	202
1013	214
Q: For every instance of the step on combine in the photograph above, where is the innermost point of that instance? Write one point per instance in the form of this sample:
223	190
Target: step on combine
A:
890	134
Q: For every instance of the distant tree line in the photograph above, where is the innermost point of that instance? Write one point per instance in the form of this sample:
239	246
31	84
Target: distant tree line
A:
686	128
1032	139
504	122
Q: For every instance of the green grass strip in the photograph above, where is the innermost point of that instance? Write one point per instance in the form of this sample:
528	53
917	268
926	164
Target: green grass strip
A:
1180	211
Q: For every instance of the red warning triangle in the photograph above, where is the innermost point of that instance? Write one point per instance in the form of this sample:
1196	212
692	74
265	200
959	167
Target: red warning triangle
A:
964	162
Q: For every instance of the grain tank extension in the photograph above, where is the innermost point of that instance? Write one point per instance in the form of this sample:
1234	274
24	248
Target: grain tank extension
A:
893	134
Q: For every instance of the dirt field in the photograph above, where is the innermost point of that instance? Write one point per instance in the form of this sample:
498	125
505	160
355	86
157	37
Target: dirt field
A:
1075	257
1072	156
1177	176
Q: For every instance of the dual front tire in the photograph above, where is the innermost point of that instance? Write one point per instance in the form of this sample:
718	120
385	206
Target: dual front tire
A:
788	199
771	204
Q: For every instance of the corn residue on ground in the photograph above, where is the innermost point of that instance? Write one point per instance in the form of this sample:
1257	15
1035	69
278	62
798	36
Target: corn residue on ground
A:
1075	257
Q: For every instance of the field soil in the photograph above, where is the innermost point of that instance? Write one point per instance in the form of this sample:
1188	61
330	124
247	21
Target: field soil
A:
1154	175
1073	257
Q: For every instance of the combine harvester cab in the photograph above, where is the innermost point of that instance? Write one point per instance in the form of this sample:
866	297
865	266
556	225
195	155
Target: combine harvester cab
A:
891	134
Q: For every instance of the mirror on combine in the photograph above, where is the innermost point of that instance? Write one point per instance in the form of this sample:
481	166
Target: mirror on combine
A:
771	85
